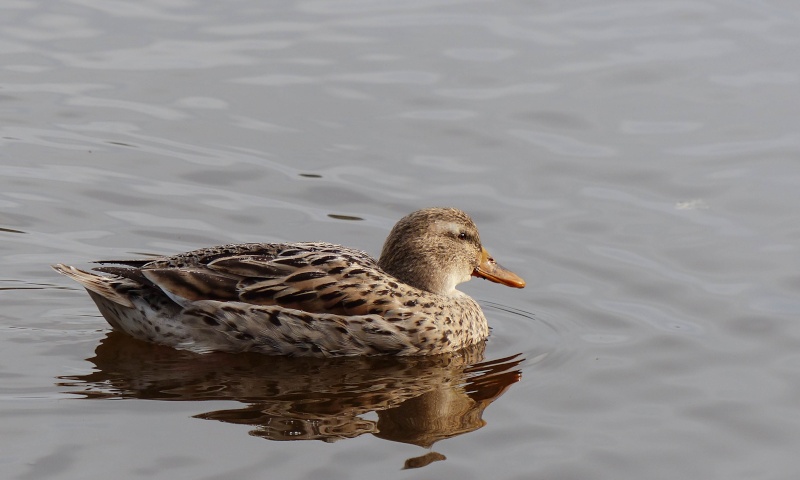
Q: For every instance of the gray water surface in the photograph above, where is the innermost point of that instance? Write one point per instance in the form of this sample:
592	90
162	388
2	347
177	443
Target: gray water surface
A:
636	162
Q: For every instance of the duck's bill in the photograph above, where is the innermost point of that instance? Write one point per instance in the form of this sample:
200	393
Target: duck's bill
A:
494	272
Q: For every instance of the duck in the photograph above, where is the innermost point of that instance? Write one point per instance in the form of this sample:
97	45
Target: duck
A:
308	298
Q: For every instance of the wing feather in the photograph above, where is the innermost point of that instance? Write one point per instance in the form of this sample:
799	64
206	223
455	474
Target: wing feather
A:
310	277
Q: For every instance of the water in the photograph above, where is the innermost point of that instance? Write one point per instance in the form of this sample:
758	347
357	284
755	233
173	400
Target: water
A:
636	162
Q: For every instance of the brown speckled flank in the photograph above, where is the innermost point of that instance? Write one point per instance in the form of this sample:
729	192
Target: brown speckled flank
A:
307	299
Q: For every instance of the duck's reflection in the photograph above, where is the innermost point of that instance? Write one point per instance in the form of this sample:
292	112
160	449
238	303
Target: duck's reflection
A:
418	400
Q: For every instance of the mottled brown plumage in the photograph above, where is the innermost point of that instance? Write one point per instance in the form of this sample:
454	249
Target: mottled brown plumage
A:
308	298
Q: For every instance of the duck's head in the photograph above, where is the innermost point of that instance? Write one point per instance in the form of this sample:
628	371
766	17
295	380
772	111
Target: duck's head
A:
435	249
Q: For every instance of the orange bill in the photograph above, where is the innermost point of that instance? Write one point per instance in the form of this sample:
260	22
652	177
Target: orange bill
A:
494	272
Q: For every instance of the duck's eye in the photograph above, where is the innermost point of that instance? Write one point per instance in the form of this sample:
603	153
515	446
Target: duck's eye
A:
462	236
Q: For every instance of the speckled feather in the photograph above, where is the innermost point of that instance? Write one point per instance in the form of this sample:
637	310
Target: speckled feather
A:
286	299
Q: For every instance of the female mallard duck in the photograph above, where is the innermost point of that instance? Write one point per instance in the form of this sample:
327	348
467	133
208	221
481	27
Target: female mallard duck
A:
314	299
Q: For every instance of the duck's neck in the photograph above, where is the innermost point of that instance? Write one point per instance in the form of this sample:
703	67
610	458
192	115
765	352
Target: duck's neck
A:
416	272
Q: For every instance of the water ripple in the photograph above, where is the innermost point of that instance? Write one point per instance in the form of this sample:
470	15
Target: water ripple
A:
748	147
497	92
562	144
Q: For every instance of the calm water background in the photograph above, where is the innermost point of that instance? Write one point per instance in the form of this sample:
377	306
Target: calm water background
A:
637	162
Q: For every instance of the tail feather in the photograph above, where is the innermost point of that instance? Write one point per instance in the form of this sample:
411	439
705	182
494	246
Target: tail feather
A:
112	288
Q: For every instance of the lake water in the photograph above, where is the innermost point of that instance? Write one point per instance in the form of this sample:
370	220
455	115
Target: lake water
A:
637	162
